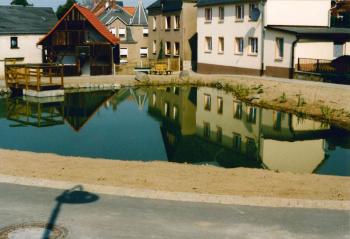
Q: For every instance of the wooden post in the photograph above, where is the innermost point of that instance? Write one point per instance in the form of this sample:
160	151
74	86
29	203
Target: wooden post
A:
62	73
26	77
298	64
38	80
318	66
50	74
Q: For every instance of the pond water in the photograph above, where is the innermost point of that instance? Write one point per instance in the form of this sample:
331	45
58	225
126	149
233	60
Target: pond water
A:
176	124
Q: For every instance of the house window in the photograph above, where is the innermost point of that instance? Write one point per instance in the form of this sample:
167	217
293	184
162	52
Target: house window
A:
220	105
113	31
154	23
123	52
168	48
338	49
14	42
167	109
239	45
208	44
176	22
145	32
218	134
253	45
122	32
279	48
251	114
208	14
221	14
143	52
236	142
250	147
154	47
176	49
167	23
206	130
207	102
251	9
176	90
175	113
239	12
237	110
221	45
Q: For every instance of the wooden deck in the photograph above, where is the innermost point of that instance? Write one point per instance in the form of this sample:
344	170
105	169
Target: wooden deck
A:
37	77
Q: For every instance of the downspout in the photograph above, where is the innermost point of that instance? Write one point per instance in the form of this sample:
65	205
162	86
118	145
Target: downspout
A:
292	70
262	37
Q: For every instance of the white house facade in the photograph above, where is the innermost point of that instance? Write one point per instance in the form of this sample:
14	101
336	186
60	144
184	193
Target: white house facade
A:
20	30
265	37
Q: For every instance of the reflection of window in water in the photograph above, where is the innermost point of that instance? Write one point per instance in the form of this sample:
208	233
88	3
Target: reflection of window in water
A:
277	120
237	110
206	132
171	139
218	134
237	141
175	112
154	99
176	90
207	102
250	147
220	105
167	109
167	89
251	114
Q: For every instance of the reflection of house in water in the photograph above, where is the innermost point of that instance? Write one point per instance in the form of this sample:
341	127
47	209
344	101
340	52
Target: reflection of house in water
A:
35	112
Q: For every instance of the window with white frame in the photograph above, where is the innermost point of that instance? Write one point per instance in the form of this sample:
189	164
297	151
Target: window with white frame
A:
208	44
14	42
154	47
279	48
176	49
154	23
167	23
208	14
167	109
251	114
143	52
239	45
113	31
239	12
338	50
221	46
207	102
220	105
252	6
122	32
221	14
176	22
175	112
145	32
237	110
168	48
253	45
123	52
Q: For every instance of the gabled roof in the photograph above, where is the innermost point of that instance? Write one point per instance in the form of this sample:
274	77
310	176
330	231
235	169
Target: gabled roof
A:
112	14
92	19
140	16
26	20
130	10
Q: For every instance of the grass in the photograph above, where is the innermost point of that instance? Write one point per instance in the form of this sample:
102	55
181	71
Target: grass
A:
326	112
283	98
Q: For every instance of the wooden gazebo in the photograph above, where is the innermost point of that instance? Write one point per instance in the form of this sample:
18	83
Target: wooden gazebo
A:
81	43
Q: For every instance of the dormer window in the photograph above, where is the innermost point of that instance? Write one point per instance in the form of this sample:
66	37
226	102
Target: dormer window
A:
14	42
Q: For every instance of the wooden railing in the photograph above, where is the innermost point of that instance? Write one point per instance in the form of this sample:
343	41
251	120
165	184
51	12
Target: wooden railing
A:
172	64
34	76
315	65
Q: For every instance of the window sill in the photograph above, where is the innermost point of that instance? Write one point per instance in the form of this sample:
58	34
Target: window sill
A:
154	30
279	59
14	48
221	21
239	53
207	21
252	54
176	29
208	52
220	53
251	20
167	30
239	20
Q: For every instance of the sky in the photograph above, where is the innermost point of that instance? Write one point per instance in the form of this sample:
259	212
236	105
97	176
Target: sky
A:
54	3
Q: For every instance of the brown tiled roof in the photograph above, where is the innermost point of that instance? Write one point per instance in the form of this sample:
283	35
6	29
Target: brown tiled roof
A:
92	19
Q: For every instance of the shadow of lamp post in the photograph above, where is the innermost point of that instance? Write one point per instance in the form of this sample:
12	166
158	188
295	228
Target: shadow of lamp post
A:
75	195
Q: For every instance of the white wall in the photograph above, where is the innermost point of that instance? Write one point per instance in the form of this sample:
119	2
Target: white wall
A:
271	48
315	50
27	49
229	29
298	12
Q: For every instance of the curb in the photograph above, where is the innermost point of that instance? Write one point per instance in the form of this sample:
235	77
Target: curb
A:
181	196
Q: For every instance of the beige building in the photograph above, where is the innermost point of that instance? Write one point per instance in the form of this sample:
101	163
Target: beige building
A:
132	31
172	31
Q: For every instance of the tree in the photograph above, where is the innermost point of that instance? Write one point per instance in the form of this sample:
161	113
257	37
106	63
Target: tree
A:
21	2
62	9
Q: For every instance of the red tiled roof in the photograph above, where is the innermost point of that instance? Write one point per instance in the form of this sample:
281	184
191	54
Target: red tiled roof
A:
92	19
130	10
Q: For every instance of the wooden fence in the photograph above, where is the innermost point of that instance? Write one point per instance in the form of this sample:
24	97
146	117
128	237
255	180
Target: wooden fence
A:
315	65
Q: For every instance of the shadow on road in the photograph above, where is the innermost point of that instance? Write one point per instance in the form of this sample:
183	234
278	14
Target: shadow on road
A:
75	195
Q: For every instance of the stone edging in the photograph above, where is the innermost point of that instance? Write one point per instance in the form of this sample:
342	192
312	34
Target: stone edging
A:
182	196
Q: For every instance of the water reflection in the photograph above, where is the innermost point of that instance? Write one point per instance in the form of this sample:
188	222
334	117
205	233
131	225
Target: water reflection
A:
178	124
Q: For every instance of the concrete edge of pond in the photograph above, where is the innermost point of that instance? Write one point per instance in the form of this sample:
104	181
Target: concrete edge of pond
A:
181	196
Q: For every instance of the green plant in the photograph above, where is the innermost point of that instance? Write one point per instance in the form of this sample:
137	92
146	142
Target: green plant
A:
283	98
326	112
240	91
301	101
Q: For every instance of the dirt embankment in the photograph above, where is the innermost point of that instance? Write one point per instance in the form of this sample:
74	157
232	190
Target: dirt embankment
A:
164	176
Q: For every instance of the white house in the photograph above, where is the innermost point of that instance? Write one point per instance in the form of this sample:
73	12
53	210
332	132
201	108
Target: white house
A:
20	30
265	36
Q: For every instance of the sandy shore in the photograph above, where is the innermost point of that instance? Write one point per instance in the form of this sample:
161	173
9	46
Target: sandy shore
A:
171	177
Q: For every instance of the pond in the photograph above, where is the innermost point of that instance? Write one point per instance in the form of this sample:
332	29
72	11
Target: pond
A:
176	124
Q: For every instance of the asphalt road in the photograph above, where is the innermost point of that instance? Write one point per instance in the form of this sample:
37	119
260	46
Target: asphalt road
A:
108	216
